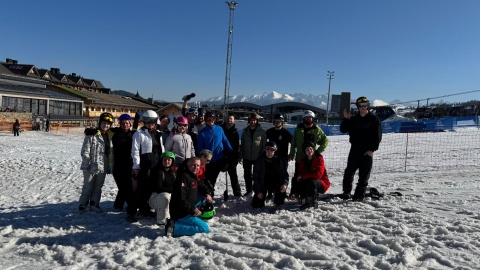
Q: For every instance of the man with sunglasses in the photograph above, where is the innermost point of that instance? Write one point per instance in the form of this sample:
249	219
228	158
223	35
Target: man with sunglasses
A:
365	134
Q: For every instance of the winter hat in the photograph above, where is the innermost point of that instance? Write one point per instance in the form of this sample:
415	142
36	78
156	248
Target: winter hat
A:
124	116
182	120
308	144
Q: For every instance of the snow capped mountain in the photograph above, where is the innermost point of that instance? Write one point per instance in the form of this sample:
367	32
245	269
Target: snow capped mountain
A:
274	97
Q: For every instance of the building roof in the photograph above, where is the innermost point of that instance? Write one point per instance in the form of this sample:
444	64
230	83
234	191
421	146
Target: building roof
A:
109	99
34	91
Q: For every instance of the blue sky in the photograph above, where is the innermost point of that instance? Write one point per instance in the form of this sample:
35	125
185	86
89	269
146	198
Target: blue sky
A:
386	50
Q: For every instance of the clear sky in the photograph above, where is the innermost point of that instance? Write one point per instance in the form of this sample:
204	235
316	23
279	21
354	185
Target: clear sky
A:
404	49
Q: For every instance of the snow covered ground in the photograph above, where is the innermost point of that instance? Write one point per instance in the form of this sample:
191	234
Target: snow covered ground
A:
435	225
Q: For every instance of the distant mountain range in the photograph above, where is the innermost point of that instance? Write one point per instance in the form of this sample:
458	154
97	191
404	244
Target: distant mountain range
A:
275	97
270	98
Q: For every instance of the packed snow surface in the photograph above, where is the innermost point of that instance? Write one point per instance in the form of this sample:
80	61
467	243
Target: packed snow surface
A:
434	225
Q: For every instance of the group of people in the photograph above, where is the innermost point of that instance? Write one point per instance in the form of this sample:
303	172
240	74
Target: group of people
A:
174	172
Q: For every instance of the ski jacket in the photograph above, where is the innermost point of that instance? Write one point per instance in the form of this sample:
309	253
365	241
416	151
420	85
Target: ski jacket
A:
213	139
181	145
282	138
234	140
16	125
259	173
94	157
142	149
314	169
121	158
365	132
161	179
184	193
252	146
315	135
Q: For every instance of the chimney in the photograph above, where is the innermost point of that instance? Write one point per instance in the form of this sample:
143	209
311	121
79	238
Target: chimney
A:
14	62
74	74
8	61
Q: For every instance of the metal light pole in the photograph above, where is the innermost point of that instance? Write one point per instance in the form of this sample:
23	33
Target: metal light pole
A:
330	75
231	6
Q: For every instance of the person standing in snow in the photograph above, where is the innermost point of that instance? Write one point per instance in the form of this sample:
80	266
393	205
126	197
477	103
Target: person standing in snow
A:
213	138
179	142
16	128
147	147
312	176
269	176
233	138
365	133
122	160
95	164
186	194
253	140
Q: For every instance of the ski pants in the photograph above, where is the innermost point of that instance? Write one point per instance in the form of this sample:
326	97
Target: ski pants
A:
247	174
123	179
357	159
92	187
295	189
160	202
232	172
212	170
189	225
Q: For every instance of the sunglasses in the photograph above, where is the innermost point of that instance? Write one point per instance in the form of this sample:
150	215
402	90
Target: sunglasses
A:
269	149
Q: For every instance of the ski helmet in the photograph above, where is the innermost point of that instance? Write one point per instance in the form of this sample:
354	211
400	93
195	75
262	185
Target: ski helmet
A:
182	120
208	210
278	117
192	111
168	154
201	111
149	117
308	113
106	117
362	100
209	114
271	144
124	116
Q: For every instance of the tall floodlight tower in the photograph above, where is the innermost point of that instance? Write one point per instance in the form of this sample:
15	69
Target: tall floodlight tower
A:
330	77
231	6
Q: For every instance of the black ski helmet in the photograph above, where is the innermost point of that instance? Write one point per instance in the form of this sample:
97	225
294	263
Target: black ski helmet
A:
106	117
278	117
362	100
201	111
271	144
209	114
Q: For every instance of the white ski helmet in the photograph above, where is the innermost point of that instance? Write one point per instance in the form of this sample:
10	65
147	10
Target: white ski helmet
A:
149	117
308	113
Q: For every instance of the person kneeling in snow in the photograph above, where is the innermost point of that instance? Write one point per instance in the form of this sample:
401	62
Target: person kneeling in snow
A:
313	178
187	192
269	175
162	176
